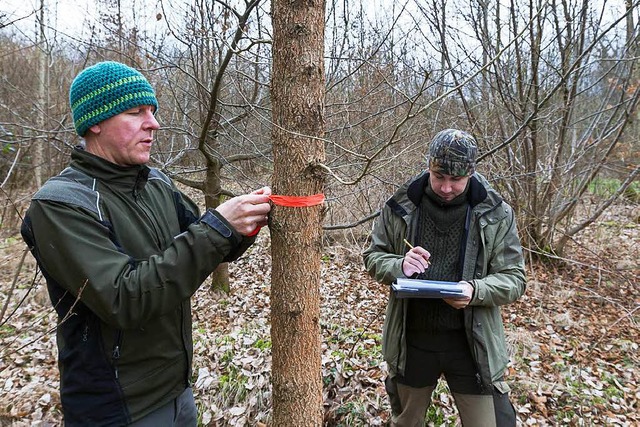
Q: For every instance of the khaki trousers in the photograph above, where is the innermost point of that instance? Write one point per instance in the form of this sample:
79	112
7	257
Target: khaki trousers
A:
476	410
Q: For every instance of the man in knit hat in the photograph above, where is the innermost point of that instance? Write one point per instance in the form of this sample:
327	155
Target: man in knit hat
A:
123	250
448	224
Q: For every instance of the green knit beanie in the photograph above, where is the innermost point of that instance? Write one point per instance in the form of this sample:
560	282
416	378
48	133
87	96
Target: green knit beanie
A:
104	90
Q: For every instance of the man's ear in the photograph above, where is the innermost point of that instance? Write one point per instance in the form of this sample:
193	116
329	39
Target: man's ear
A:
95	128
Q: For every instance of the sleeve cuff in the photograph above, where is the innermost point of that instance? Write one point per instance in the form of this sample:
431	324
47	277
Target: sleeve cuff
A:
214	220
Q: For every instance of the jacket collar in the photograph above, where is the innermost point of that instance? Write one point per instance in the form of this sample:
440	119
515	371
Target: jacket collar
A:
481	195
134	177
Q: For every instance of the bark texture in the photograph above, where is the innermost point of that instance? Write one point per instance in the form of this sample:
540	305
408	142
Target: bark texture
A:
297	90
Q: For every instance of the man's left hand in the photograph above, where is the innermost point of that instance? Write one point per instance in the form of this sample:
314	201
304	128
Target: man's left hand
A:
463	301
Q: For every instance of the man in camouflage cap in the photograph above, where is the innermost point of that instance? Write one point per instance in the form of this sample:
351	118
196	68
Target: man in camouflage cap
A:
453	152
448	224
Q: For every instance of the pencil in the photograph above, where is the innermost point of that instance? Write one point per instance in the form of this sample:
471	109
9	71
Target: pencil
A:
411	247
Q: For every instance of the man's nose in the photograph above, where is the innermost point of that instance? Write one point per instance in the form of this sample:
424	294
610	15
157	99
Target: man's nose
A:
151	122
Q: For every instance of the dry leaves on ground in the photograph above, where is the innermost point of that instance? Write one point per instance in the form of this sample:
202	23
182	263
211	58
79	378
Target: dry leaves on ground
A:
573	336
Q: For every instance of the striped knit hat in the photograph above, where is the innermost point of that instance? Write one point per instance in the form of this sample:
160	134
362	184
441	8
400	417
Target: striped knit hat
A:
104	90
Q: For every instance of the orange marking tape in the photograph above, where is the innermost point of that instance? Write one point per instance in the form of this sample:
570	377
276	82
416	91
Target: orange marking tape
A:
254	232
297	201
293	202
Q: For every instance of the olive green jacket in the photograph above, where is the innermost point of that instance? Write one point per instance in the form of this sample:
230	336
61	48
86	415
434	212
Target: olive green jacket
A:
493	262
122	251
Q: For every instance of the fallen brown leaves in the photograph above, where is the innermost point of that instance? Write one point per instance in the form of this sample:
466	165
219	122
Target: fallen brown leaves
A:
574	341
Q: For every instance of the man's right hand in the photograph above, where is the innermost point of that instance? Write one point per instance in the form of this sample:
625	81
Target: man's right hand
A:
247	212
415	261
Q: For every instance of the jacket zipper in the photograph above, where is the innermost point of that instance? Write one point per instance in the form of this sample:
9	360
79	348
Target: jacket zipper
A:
85	333
144	207
115	354
475	355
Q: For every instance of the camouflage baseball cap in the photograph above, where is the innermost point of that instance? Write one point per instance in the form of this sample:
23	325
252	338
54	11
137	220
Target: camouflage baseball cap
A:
453	152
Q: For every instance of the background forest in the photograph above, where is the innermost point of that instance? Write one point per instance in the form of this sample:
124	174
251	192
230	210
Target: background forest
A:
550	90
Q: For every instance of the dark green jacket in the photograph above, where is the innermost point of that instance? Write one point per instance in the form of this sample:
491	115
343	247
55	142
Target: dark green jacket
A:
122	251
493	262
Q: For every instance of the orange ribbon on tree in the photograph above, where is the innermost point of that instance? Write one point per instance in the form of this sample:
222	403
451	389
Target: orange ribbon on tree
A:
293	202
297	201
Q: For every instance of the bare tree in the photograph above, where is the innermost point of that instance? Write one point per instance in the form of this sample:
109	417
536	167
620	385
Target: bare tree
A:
566	108
218	82
297	91
42	55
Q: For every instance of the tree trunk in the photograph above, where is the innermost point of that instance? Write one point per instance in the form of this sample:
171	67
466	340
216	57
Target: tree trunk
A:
38	155
297	91
212	193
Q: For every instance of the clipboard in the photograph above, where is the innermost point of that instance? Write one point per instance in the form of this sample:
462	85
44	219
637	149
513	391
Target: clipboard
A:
415	288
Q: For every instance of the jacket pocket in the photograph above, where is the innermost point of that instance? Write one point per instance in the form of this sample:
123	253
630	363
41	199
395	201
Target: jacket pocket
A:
502	387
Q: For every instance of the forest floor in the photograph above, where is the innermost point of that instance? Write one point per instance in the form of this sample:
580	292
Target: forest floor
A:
573	336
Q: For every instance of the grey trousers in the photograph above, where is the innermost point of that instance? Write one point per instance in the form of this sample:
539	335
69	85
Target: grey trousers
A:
180	412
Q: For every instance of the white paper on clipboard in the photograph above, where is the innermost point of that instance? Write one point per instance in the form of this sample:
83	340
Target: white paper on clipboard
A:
416	288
